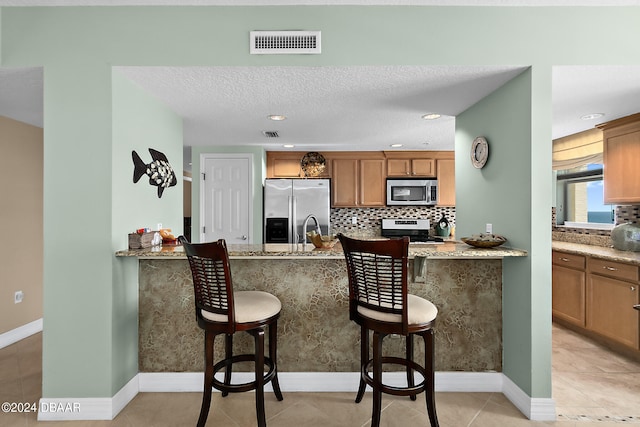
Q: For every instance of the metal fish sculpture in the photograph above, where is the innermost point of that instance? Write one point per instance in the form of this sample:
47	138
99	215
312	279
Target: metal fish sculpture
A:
159	171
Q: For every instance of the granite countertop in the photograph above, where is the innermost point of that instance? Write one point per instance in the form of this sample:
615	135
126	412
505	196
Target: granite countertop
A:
447	250
602	252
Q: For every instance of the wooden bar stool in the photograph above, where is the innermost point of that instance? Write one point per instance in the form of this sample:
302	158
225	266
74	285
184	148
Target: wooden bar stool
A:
220	310
379	302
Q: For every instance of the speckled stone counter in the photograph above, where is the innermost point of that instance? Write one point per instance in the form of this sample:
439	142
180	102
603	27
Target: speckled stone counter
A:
447	250
608	253
314	330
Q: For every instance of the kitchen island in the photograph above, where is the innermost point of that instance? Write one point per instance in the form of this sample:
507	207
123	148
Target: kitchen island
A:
314	330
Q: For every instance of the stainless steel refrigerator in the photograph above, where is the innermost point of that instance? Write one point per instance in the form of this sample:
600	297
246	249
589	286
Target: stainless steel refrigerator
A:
288	202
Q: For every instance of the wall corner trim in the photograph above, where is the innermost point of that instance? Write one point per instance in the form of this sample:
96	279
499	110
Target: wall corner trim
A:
88	408
537	409
20	333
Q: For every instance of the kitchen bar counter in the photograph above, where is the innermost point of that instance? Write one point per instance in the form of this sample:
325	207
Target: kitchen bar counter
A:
446	250
607	253
314	330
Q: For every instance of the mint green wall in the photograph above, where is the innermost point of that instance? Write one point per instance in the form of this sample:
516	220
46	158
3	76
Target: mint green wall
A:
139	122
78	46
259	173
499	194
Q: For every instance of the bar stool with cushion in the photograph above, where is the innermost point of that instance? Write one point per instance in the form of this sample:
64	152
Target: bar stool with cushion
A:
379	302
220	310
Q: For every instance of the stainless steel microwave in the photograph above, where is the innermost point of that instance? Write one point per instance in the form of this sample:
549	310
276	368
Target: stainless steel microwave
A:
411	192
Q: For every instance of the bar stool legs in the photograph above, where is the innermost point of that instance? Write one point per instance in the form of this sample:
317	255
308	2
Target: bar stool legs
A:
430	394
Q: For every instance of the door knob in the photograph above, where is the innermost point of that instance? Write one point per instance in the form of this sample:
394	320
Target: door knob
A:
244	237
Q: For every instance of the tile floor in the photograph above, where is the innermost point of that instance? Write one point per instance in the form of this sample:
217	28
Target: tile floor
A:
592	387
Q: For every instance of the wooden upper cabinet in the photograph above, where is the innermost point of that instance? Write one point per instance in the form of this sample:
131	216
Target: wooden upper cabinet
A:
621	150
411	167
286	168
286	164
372	183
358	183
344	182
446	182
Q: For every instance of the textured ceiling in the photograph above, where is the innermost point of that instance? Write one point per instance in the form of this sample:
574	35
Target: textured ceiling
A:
330	108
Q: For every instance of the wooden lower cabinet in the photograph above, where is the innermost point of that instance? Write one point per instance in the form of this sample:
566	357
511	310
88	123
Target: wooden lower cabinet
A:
597	296
569	288
610	309
610	301
568	295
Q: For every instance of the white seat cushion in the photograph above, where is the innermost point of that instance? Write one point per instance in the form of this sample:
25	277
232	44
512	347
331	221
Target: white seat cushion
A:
250	306
420	311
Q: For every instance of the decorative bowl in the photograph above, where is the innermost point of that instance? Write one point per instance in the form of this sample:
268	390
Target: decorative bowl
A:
484	240
320	241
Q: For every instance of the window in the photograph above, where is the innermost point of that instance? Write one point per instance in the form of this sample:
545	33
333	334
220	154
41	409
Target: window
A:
580	201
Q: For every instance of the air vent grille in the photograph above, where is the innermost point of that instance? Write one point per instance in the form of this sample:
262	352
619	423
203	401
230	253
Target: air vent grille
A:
270	133
284	42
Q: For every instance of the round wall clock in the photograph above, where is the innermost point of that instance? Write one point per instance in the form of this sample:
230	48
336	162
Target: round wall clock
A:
479	152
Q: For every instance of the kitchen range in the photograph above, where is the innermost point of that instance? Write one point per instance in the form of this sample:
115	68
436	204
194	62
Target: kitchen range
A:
416	229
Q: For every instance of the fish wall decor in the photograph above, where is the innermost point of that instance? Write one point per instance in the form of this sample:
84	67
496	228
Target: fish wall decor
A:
159	171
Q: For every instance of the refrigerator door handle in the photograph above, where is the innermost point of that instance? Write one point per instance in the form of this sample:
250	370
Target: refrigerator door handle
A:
294	219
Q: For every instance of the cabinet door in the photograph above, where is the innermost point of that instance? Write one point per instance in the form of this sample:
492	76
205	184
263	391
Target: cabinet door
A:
446	182
568	295
398	167
423	167
286	168
610	309
344	182
621	173
372	183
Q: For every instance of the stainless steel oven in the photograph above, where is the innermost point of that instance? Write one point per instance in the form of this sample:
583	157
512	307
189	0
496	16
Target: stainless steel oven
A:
411	192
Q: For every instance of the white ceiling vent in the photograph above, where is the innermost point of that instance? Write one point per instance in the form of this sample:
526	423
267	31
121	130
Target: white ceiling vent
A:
284	42
270	133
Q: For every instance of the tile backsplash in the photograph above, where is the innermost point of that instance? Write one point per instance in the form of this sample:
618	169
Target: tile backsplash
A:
623	214
369	220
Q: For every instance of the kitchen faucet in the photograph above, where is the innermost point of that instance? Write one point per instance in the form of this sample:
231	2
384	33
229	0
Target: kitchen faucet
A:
306	223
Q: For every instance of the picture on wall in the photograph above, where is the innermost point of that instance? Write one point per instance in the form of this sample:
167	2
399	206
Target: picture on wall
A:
159	171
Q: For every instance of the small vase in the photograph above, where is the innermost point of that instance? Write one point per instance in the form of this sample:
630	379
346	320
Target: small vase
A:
626	237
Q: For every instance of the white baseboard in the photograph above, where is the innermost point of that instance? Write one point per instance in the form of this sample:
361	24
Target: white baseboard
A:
472	382
20	333
537	409
77	409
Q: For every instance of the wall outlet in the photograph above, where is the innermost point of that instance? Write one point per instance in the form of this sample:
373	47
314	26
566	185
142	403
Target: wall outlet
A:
489	228
354	220
18	297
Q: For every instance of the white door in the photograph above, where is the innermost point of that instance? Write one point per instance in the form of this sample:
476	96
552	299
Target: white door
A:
226	206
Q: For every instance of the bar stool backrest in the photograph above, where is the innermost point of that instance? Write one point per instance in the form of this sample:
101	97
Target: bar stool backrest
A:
377	271
212	283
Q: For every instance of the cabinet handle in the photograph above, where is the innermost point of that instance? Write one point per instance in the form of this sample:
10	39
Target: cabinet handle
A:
633	288
565	259
610	268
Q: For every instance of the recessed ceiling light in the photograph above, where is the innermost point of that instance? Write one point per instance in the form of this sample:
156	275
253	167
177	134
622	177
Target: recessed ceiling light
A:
396	145
288	145
431	116
592	116
276	117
